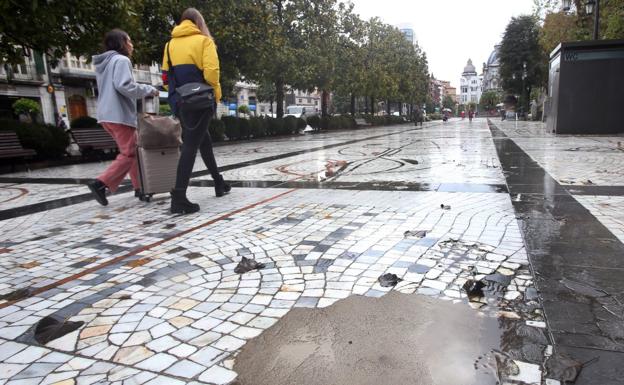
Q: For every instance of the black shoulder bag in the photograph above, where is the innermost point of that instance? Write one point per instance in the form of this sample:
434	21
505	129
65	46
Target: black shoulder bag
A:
195	100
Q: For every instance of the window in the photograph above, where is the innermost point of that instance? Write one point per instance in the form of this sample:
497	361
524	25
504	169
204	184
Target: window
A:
464	90
299	102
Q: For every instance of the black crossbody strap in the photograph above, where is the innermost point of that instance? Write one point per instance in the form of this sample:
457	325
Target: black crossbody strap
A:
170	64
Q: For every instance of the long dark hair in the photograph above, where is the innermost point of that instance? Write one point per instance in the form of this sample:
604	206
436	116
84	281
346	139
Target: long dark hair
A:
116	40
196	18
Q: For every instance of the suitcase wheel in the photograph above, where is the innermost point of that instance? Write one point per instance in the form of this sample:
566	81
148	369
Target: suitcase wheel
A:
147	198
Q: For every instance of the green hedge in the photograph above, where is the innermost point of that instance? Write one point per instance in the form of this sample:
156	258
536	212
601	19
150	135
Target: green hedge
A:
84	122
217	130
315	122
290	125
232	128
47	140
301	124
244	128
258	127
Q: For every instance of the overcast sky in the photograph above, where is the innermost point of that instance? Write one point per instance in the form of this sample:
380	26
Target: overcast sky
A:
449	31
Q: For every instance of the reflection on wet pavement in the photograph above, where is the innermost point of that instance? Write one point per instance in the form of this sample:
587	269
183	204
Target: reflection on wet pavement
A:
388	251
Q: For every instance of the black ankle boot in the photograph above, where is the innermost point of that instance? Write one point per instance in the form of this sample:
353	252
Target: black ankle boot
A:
221	187
180	204
98	189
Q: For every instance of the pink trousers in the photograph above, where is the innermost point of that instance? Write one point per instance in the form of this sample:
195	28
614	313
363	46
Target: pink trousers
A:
126	162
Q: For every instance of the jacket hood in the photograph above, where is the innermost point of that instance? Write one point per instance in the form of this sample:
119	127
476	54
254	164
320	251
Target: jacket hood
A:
185	28
101	61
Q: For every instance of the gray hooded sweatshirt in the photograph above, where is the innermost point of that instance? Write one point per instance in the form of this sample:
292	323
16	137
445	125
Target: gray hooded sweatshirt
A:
118	92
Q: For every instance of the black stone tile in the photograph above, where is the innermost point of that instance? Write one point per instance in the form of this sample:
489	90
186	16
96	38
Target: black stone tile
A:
601	367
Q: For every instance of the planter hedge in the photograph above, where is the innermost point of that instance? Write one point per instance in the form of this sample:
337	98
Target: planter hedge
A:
84	122
49	141
217	130
232	130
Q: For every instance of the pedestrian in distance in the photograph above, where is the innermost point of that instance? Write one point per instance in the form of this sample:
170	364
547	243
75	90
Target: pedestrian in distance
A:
191	57
463	115
470	115
117	111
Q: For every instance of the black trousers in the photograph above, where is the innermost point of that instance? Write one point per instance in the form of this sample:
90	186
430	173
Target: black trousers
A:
192	140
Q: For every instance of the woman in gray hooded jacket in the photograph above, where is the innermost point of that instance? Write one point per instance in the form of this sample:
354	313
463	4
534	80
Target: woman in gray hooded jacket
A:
117	110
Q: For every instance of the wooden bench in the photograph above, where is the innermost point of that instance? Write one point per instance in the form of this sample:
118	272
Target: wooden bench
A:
361	122
10	146
90	139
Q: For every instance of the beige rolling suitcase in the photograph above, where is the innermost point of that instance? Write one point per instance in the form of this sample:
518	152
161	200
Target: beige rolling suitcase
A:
158	151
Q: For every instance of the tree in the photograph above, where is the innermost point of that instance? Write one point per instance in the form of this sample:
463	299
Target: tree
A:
523	62
489	100
27	107
320	28
52	27
558	27
448	102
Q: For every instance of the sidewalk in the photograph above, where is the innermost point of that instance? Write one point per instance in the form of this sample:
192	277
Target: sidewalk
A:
443	208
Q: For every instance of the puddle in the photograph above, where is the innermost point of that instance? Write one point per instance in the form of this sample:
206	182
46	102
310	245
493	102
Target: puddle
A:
395	339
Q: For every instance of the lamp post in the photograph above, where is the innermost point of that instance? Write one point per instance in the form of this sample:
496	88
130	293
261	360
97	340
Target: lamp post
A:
593	6
524	76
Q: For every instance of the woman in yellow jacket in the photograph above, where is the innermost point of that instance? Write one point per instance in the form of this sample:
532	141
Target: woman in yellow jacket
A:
193	59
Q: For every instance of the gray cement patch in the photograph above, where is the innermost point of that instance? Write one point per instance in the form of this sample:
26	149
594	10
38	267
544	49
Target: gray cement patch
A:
395	339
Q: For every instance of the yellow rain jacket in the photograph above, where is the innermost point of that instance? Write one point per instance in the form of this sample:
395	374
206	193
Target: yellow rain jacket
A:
194	59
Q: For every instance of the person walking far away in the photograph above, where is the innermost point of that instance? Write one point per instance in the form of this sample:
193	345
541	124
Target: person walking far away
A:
117	111
470	115
191	57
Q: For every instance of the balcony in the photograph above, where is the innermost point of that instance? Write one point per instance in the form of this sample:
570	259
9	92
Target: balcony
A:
20	73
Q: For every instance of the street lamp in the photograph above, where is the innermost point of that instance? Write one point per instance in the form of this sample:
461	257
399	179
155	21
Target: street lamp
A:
593	6
524	76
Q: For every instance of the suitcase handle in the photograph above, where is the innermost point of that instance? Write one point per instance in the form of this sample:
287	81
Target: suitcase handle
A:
150	105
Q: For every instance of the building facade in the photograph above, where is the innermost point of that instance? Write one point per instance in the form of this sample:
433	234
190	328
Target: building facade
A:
436	91
70	87
407	29
471	85
448	90
491	72
75	89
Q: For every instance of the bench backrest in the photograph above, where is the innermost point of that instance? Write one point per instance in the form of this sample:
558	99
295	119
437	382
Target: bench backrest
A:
10	146
93	138
361	121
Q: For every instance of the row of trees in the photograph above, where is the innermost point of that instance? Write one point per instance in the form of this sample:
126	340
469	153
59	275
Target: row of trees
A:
529	40
304	44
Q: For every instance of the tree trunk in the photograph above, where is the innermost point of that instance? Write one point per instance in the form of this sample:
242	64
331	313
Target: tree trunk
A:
388	110
279	97
372	105
366	105
271	106
324	102
352	104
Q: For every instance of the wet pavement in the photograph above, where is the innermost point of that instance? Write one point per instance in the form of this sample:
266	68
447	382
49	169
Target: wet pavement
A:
487	248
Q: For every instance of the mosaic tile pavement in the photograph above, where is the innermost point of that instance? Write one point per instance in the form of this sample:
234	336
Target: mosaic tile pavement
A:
571	159
158	295
608	210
